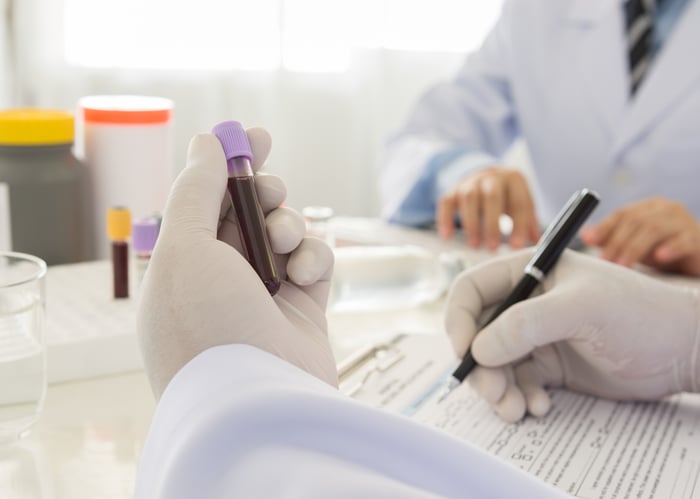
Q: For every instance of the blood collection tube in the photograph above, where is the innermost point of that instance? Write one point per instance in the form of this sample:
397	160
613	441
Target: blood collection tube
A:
143	240
249	215
118	231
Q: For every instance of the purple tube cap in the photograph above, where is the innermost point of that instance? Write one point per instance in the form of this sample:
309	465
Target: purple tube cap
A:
234	140
144	233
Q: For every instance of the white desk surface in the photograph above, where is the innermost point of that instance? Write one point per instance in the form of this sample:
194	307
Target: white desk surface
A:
90	435
89	438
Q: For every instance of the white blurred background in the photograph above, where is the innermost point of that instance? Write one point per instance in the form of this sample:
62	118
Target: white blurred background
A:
330	79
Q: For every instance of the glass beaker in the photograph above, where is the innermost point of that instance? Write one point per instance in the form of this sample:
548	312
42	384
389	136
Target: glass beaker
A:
22	345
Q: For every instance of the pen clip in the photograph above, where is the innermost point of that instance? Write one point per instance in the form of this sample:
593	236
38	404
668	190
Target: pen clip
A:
563	214
560	233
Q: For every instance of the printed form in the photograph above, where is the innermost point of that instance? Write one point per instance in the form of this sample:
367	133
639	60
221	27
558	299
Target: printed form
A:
586	446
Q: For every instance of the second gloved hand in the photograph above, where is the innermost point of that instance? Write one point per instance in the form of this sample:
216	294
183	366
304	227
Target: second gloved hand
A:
592	326
199	292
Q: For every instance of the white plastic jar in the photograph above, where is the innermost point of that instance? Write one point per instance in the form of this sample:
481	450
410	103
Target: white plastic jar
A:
127	144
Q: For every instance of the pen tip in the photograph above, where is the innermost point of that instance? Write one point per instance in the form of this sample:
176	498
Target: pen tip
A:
451	385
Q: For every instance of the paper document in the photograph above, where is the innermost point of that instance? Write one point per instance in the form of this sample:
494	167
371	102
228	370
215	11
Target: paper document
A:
588	447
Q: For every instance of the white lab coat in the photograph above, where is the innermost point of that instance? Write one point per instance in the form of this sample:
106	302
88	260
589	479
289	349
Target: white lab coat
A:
239	422
555	72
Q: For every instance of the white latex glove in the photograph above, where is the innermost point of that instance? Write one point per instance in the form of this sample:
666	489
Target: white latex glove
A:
199	292
592	326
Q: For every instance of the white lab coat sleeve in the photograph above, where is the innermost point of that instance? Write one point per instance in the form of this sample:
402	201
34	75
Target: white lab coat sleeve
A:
455	128
239	422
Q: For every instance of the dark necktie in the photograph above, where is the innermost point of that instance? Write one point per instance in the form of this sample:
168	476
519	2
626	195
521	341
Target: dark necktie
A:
639	15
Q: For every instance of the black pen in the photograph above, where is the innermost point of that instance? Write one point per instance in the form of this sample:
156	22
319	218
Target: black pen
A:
550	247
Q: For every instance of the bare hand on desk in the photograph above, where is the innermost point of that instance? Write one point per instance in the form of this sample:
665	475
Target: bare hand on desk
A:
199	292
656	232
480	199
592	326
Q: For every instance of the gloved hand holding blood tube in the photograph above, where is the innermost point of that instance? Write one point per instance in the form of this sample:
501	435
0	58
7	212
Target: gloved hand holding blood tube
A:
244	198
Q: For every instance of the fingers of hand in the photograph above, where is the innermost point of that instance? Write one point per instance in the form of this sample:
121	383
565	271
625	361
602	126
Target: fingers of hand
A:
679	246
310	266
494	189
194	203
271	191
475	291
481	199
680	253
536	322
445	215
505	340
260	144
511	407
490	383
521	209
643	243
634	233
613	245
310	262
498	388
595	235
469	209
512	391
197	202
285	229
532	384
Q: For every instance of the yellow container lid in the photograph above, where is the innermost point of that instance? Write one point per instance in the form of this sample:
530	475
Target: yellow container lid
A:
28	127
118	223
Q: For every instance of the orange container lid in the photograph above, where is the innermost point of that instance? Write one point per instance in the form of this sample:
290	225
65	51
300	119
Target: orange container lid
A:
126	109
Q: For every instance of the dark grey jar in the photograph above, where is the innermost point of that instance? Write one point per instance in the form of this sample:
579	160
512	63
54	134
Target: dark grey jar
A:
48	185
